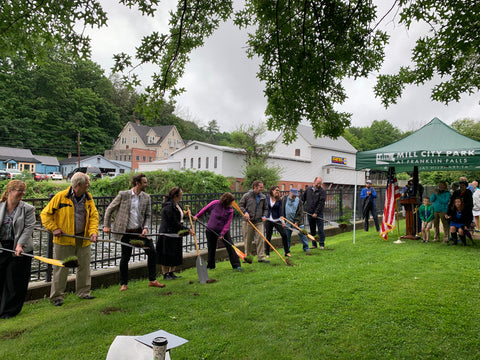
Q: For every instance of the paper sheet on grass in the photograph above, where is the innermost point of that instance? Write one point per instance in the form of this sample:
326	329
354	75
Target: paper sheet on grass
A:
173	340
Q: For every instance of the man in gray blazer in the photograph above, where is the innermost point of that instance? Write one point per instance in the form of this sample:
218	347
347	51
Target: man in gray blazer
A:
133	212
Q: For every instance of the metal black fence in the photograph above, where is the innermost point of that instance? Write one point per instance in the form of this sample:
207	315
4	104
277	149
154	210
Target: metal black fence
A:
338	207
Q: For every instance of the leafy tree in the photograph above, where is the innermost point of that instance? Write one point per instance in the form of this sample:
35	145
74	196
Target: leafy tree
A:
468	127
248	138
256	154
448	55
306	49
379	134
258	170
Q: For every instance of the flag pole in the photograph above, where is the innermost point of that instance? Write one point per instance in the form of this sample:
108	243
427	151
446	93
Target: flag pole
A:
399	240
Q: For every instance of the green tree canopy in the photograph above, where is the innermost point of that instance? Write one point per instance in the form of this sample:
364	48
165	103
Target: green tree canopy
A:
305	49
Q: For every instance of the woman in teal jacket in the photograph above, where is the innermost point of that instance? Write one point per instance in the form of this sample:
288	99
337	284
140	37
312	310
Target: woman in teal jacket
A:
440	199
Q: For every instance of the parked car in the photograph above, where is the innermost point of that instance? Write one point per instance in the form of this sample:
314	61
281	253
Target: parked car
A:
93	171
14	173
55	175
3	175
39	177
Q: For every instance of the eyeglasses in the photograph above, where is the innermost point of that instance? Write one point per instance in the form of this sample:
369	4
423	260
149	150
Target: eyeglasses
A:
19	190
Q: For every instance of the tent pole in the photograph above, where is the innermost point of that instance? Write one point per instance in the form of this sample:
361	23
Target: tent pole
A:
355	206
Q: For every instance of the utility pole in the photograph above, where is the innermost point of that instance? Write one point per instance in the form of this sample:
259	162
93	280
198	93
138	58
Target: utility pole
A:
78	145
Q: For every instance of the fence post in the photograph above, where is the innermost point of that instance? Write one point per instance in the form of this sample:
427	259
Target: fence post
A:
341	203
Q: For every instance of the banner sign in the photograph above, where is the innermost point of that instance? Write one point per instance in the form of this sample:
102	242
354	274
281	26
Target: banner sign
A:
339	160
428	160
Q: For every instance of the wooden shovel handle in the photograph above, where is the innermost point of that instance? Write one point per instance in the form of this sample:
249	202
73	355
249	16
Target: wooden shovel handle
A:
191	224
236	207
310	236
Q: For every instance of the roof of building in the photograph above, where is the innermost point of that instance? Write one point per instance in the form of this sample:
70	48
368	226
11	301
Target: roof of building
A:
325	142
160	131
19	155
47	160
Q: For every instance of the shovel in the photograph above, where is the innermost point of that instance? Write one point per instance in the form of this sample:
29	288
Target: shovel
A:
201	266
39	258
333	223
236	207
310	236
240	254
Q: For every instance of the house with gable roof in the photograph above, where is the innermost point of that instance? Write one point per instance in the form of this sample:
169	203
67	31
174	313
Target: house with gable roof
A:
300	162
18	159
141	144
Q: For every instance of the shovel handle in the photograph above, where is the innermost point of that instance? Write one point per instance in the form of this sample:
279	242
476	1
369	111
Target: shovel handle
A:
236	207
191	224
310	236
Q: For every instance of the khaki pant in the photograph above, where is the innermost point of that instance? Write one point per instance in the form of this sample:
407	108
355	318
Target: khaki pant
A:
60	274
248	234
440	217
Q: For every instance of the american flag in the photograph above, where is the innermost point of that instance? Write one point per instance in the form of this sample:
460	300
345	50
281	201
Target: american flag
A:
391	196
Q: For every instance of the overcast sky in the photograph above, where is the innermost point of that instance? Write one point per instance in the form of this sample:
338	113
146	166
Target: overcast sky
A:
221	81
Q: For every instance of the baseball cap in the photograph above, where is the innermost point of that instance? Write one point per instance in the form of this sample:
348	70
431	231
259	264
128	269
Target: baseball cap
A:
368	181
294	191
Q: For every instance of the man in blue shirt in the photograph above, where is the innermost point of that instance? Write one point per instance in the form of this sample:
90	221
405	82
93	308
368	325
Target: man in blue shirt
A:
369	195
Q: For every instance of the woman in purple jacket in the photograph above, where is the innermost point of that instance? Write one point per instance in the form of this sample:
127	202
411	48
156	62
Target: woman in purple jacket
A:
218	228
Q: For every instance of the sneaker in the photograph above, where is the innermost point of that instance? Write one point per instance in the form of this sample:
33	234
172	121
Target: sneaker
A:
173	276
88	297
313	247
322	247
58	302
239	268
167	276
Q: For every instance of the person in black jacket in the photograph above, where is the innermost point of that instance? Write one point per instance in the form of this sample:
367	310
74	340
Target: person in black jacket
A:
169	248
315	197
460	219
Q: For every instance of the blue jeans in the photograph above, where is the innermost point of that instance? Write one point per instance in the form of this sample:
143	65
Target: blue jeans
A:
314	224
302	237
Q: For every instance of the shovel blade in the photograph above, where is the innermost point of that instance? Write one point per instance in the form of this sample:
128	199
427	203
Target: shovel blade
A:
202	270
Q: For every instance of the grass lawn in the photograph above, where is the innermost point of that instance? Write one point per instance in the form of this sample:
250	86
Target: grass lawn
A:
371	300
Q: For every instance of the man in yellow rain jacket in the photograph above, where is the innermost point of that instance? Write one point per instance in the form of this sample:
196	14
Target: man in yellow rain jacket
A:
72	212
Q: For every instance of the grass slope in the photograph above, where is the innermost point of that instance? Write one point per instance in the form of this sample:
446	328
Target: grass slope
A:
369	300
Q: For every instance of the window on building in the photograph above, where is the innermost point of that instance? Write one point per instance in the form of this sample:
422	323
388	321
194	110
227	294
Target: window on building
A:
297	152
122	171
215	162
151	139
191	163
116	157
137	158
150	159
124	140
199	163
144	158
206	163
134	140
165	153
196	147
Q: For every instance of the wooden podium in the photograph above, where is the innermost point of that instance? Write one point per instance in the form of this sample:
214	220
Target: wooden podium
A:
409	205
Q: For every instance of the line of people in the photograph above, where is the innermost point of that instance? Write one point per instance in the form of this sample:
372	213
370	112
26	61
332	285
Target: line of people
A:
72	217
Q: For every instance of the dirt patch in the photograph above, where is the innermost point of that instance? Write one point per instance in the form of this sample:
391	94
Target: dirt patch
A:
11	334
167	293
109	310
209	281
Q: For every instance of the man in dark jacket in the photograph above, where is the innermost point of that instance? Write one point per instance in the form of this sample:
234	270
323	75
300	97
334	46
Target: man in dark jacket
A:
315	197
254	207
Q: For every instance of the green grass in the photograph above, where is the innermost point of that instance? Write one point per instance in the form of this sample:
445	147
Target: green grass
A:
371	300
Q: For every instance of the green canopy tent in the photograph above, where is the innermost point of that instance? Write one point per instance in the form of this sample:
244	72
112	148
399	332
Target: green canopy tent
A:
434	147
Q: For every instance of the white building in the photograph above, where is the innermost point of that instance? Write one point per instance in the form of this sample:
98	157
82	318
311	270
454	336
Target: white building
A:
300	161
